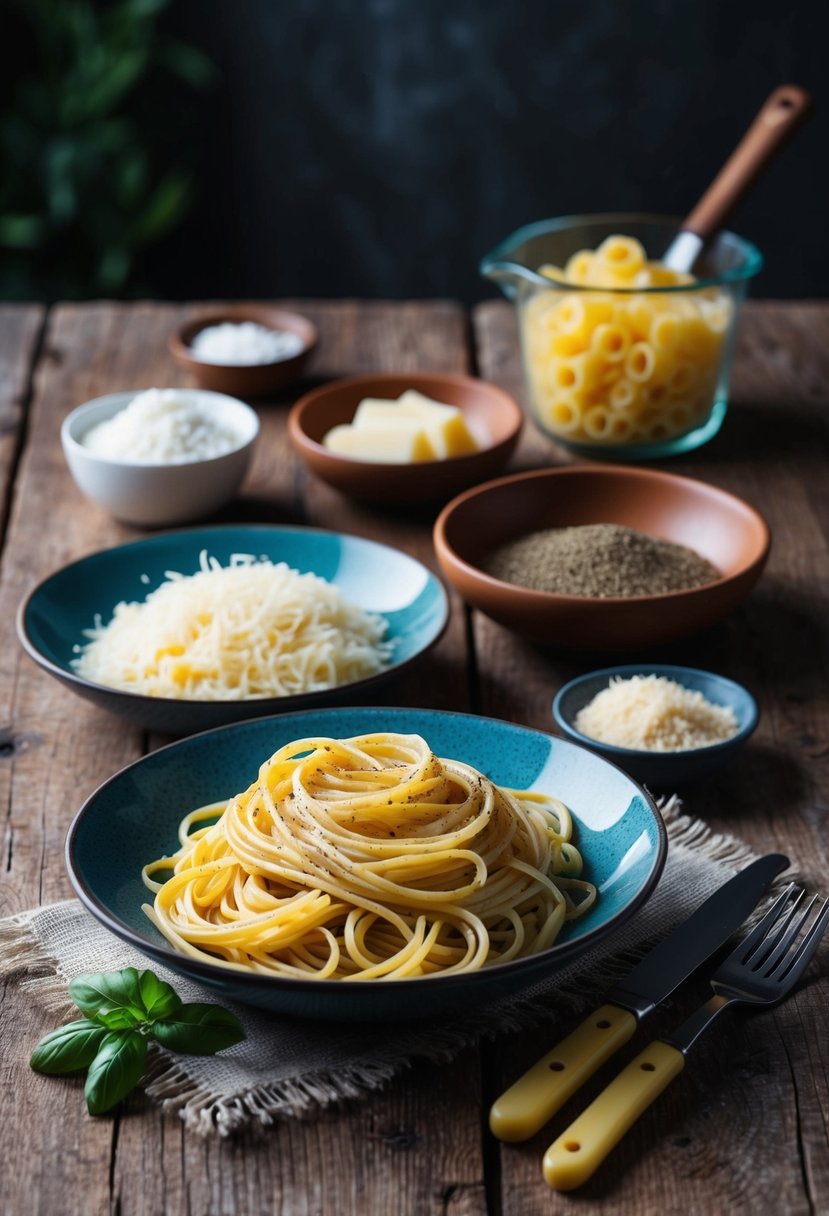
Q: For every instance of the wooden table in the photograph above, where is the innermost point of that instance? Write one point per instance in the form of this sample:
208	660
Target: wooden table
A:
744	1129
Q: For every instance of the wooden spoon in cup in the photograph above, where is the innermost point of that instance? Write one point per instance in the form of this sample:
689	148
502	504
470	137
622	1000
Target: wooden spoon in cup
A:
780	116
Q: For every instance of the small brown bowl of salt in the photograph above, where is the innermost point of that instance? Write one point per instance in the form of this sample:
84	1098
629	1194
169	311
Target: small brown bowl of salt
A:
601	559
245	350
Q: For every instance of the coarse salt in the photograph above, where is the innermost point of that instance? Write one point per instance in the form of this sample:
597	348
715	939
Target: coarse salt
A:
244	343
162	426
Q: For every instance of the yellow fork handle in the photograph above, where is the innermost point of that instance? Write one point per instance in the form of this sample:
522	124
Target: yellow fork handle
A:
580	1150
534	1098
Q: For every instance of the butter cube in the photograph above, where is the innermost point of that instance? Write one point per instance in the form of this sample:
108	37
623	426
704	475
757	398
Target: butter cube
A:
427	405
445	425
385	444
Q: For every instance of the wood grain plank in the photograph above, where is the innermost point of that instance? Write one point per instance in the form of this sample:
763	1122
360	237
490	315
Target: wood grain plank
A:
55	755
714	1142
400	337
20	329
744	1128
413	1149
416	1148
88	350
390	1153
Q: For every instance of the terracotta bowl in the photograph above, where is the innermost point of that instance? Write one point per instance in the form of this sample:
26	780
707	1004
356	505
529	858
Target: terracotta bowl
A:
249	380
494	418
723	528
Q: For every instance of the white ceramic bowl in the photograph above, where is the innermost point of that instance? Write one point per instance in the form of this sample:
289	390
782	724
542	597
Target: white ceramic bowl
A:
155	495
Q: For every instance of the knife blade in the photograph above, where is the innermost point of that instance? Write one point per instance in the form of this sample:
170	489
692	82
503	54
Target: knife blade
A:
535	1097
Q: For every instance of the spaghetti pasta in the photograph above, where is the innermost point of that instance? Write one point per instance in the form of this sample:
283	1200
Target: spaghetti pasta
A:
369	858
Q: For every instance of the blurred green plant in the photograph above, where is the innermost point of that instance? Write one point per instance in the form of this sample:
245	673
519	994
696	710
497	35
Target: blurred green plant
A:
91	140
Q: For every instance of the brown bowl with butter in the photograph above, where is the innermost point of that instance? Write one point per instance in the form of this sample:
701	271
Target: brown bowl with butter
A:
709	546
493	418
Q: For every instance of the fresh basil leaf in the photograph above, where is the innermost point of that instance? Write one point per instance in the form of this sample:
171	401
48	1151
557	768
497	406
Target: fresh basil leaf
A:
199	1029
119	1018
158	998
104	991
69	1048
115	1071
122	999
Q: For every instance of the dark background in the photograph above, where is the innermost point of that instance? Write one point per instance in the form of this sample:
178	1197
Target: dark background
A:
380	147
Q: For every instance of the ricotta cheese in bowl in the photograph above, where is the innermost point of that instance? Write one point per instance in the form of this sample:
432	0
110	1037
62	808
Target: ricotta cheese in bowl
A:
162	456
162	426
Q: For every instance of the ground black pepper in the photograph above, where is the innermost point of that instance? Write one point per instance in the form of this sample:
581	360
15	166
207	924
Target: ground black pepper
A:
598	560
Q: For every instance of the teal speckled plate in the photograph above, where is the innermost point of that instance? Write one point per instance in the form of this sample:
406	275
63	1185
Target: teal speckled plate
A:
51	620
134	816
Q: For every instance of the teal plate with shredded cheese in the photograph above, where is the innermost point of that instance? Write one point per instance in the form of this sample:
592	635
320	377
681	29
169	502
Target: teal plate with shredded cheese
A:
377	578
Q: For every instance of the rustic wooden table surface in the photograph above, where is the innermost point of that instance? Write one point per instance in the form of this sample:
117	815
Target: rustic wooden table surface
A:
746	1127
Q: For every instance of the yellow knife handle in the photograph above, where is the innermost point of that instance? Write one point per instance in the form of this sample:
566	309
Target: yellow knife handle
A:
580	1150
534	1098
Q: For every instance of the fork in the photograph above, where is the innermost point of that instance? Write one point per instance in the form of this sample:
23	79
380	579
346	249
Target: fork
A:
762	970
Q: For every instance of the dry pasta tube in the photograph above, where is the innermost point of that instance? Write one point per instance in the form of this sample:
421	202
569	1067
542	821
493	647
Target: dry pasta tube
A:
620	257
597	422
593	354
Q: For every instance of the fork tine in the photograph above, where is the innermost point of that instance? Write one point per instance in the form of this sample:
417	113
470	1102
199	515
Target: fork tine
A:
790	970
747	945
785	937
759	955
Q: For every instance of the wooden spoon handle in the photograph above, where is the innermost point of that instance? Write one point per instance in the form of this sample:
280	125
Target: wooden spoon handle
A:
784	111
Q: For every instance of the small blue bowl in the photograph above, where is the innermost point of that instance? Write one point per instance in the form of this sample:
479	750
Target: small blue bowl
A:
375	577
661	770
134	817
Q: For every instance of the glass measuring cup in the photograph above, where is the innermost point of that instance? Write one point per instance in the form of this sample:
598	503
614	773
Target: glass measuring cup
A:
632	371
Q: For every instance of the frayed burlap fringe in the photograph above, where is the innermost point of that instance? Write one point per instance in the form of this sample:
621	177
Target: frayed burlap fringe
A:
694	834
207	1106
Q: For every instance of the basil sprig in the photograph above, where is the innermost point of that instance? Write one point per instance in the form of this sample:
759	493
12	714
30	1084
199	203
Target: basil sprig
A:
122	1011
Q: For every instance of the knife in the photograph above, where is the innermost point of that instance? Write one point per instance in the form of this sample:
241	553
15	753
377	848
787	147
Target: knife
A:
760	972
543	1089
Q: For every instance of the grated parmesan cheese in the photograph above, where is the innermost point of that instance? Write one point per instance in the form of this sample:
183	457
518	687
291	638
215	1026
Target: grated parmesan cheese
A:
245	631
655	714
161	426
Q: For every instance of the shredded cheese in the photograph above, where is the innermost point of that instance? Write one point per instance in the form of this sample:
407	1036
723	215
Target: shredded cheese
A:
655	714
245	631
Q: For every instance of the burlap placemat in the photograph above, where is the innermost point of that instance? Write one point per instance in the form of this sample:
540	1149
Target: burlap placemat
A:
288	1067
